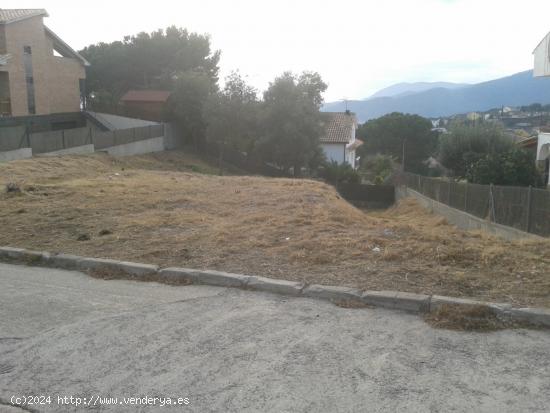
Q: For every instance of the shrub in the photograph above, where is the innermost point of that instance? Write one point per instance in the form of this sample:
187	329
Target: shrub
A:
466	144
378	168
336	173
512	167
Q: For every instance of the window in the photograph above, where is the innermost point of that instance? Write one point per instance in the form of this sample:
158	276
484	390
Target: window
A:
27	63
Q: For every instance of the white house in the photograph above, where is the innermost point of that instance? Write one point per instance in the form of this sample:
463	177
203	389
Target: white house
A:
542	68
338	141
543	154
542	57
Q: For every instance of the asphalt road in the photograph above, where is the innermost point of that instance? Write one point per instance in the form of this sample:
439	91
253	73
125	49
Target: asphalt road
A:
63	333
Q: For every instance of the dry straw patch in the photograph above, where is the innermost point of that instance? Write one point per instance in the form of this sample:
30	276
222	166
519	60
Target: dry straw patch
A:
471	318
156	209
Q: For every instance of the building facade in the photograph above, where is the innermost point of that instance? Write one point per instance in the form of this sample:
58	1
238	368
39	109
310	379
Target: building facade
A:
145	104
39	73
543	154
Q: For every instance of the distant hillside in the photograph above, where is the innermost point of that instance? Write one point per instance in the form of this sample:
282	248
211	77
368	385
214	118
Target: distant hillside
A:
516	90
403	89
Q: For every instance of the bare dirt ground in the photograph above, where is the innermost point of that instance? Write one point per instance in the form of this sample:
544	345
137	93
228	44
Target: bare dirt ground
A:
166	209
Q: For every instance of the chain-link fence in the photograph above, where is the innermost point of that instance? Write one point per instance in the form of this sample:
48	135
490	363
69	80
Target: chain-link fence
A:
524	208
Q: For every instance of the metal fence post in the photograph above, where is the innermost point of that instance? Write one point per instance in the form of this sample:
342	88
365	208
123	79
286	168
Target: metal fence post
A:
63	137
529	201
449	193
492	203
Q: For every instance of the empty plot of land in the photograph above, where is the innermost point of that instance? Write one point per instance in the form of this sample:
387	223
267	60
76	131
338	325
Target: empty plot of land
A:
161	209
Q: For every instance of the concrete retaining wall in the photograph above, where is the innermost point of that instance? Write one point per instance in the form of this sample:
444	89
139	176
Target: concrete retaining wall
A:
462	219
22	153
157	144
137	148
77	150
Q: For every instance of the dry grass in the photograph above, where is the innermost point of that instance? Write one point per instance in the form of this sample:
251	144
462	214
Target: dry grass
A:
152	209
474	318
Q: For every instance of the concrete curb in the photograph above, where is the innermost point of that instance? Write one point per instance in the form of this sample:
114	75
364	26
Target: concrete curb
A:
396	300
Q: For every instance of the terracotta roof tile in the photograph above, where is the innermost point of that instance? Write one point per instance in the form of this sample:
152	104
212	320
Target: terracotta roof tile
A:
338	127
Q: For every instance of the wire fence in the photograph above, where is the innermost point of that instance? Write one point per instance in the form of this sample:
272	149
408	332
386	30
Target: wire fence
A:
523	208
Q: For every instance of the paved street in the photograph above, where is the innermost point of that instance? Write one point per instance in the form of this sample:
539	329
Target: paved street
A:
63	333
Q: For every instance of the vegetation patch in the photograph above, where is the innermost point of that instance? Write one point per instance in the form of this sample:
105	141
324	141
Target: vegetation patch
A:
471	318
160	212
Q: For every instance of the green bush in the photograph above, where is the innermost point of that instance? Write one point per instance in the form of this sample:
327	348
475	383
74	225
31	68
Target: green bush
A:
513	167
340	173
378	168
466	144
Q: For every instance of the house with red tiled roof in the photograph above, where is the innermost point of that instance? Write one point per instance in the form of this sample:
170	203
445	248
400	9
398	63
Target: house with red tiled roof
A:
40	74
338	140
146	104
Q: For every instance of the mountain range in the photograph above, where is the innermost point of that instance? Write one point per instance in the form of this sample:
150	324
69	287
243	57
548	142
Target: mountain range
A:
446	99
403	89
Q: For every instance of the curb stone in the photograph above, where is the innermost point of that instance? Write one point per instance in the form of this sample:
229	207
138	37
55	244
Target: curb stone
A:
396	300
273	285
218	278
418	303
20	254
66	261
539	316
131	268
332	293
502	310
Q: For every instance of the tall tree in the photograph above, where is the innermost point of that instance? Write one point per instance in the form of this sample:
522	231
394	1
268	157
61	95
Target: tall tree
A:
148	60
188	104
232	116
292	121
465	144
398	134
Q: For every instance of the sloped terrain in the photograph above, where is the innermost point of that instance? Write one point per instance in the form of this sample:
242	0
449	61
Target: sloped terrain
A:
160	209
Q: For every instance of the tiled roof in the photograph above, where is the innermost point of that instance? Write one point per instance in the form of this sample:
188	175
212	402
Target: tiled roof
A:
338	127
356	143
13	15
145	96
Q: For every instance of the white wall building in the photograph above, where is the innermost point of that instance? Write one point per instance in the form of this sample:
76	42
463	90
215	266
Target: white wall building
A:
338	141
543	154
542	57
542	68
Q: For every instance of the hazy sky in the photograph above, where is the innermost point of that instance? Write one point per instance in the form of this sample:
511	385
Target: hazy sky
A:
357	46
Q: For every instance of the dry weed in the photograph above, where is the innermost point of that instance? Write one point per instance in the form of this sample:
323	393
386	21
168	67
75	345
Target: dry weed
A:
157	211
